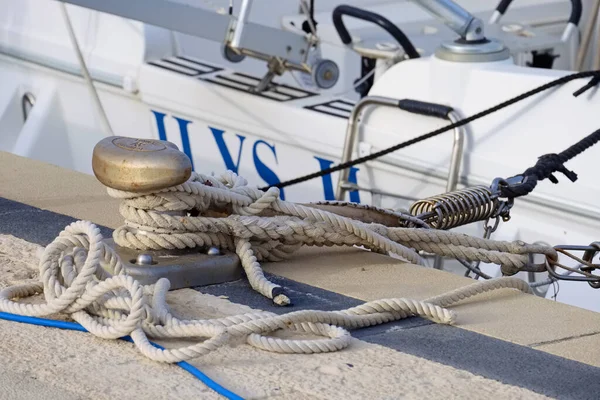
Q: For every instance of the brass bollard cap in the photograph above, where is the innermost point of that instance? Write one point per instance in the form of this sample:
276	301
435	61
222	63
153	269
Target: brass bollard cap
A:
139	165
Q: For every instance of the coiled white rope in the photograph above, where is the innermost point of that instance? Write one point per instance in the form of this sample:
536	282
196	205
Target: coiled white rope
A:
258	225
74	281
74	278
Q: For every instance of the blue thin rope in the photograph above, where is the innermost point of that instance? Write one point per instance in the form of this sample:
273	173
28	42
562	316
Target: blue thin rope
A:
73	326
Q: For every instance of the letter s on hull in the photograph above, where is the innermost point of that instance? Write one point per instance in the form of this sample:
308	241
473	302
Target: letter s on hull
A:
265	172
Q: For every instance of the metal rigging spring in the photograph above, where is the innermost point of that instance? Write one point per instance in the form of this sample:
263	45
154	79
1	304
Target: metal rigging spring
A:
461	207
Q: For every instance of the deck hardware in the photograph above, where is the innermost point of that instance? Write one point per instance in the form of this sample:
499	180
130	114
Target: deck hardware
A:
139	165
584	272
325	74
413	106
183	268
27	103
144	259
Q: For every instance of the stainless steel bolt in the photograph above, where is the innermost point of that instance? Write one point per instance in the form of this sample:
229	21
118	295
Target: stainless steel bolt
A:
144	259
213	251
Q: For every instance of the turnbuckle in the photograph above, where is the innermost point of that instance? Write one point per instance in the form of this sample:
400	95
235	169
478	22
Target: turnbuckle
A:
586	266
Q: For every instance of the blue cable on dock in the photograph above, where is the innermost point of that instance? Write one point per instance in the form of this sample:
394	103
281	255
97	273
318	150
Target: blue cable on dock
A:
73	326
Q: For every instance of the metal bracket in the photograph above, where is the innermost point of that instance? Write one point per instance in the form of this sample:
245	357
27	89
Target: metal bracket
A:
258	41
183	268
239	37
455	17
275	67
352	131
586	269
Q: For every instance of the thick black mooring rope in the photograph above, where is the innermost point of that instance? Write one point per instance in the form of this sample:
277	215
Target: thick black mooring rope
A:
546	166
595	75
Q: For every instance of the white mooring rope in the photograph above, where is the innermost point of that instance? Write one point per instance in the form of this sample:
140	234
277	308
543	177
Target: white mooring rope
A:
233	216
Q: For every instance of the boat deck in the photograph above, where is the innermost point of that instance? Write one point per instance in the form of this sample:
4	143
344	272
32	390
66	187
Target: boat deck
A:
505	344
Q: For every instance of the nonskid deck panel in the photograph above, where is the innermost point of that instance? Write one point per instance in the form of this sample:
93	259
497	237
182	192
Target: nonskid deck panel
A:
482	355
201	70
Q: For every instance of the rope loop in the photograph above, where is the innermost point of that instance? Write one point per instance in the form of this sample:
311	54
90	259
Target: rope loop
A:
75	278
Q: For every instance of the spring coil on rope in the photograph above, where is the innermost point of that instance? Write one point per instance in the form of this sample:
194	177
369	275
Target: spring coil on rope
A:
461	207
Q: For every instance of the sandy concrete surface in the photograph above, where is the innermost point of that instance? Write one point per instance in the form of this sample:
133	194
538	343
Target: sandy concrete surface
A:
53	364
515	317
57	189
585	348
548	326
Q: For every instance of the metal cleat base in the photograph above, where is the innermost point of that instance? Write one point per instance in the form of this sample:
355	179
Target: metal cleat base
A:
183	268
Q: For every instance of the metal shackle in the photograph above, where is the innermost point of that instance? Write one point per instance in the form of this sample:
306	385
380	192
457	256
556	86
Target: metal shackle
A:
139	165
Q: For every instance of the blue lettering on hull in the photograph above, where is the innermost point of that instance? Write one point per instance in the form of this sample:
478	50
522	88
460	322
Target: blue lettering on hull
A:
225	154
266	173
328	184
183	131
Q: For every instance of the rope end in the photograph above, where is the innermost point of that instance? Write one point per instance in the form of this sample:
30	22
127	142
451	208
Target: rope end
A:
592	83
282	300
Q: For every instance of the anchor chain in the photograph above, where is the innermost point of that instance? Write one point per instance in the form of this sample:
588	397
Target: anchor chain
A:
474	267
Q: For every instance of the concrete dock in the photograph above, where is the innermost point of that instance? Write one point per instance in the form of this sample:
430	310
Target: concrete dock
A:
504	344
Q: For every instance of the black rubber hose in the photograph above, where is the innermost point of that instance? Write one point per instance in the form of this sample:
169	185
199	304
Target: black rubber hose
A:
377	19
576	10
574	18
503	5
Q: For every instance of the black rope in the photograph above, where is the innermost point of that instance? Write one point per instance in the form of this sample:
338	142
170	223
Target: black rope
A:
516	99
592	83
310	17
546	166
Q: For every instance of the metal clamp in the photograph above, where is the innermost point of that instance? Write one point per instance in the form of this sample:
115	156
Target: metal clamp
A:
497	183
504	206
